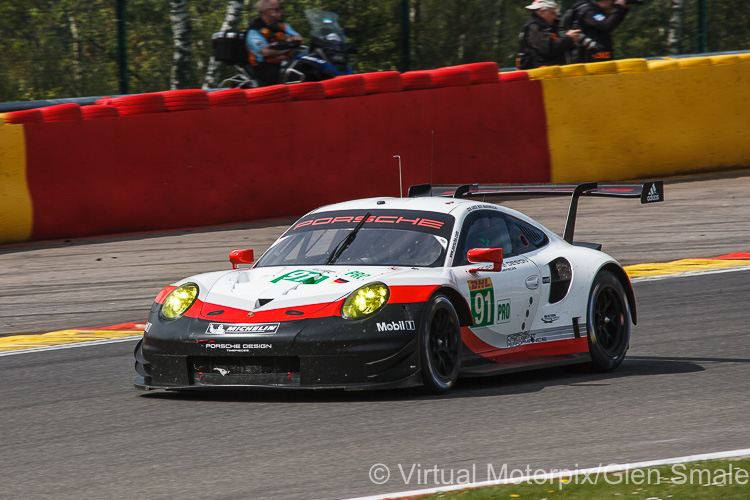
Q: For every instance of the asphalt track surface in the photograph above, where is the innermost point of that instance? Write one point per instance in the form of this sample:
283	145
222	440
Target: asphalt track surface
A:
72	426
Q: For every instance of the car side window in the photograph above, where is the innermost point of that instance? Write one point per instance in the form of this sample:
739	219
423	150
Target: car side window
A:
483	229
524	236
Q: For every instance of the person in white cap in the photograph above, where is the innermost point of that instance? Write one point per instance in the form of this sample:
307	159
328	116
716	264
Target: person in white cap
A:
539	43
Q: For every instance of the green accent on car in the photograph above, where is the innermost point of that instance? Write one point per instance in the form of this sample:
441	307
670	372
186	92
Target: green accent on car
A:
503	311
302	276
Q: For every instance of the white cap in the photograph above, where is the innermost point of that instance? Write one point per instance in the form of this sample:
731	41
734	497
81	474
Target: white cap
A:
542	4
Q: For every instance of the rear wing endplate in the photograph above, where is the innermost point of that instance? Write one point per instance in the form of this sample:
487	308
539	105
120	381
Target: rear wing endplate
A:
648	192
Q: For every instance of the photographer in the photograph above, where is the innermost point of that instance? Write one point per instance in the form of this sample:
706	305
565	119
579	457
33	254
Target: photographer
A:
539	44
597	20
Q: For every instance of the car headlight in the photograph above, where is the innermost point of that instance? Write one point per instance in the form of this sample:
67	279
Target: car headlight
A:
365	300
179	301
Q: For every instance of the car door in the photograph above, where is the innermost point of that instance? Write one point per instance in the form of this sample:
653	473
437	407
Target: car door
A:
503	304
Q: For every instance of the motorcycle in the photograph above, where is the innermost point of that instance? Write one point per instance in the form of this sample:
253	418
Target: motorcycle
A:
327	56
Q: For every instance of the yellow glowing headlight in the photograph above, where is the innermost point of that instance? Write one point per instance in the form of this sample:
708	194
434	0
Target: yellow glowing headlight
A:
179	301
365	301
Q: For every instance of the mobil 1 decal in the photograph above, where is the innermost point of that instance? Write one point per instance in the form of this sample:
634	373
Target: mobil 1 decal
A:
301	276
482	298
503	311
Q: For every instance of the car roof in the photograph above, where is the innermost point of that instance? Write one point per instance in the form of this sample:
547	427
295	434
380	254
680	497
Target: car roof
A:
429	204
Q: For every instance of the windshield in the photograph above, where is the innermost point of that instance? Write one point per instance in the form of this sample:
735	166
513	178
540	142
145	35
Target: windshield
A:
325	25
388	238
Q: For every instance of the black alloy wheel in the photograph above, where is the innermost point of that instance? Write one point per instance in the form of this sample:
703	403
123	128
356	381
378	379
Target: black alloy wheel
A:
440	345
608	322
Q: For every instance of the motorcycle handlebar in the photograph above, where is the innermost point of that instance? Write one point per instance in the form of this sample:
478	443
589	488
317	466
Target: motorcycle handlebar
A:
286	45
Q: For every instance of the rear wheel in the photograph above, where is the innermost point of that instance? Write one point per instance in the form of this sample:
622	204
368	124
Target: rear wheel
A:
608	322
440	345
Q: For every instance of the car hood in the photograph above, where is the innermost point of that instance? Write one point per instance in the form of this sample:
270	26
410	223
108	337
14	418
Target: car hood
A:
273	288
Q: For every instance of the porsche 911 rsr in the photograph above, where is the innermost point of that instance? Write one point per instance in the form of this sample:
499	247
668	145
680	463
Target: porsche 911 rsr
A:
396	292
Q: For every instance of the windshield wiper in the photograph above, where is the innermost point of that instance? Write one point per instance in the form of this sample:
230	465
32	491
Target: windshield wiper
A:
344	244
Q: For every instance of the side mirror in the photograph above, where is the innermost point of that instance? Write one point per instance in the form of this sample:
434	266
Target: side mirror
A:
492	255
237	257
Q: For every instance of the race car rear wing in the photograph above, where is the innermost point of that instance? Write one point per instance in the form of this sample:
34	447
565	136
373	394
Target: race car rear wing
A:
648	192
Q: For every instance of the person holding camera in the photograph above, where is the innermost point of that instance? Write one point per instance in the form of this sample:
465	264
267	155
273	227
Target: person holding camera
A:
263	35
539	43
597	20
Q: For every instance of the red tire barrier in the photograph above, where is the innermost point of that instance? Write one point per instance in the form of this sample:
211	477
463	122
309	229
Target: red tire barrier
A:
27	116
453	76
141	104
514	76
104	101
227	98
96	111
62	113
262	95
483	72
417	80
185	99
345	86
307	91
382	82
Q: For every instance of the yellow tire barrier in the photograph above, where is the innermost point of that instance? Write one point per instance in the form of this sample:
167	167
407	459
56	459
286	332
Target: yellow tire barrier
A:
631	66
573	70
662	64
694	62
602	68
724	59
16	221
745	57
544	73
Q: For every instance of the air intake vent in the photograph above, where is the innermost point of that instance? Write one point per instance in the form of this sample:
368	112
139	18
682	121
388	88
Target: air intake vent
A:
561	274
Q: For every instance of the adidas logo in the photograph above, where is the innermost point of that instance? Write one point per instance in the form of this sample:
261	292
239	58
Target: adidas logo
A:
653	194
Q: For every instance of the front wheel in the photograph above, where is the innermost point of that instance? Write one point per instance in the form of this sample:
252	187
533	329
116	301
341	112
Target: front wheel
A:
440	345
608	322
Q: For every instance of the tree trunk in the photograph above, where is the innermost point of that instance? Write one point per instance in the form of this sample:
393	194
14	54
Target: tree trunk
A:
183	49
77	72
232	20
674	30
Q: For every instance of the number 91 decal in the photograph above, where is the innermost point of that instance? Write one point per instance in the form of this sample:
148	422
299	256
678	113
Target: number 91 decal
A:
482	298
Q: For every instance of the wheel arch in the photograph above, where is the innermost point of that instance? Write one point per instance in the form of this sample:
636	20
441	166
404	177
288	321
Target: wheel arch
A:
622	277
459	303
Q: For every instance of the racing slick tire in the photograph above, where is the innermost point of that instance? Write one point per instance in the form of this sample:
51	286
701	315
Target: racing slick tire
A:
608	322
440	345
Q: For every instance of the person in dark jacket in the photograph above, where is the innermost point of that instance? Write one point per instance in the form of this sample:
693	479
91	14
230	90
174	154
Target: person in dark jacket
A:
539	43
261	38
597	20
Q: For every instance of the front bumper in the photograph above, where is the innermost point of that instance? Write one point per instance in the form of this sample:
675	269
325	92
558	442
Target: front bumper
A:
321	353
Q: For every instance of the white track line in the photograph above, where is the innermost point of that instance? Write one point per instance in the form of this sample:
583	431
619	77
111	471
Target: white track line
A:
564	474
69	346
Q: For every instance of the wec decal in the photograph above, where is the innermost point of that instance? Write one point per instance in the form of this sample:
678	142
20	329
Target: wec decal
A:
357	275
482	300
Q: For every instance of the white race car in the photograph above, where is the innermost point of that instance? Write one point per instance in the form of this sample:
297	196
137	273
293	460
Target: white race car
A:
395	292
